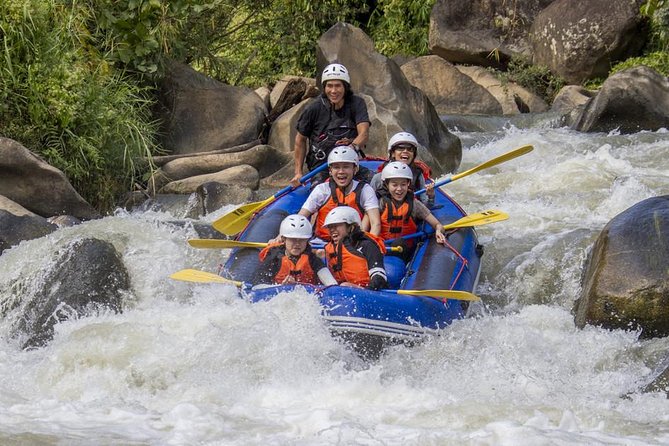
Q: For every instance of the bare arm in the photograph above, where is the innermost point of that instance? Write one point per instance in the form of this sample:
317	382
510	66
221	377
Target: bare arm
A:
363	134
438	228
374	221
299	156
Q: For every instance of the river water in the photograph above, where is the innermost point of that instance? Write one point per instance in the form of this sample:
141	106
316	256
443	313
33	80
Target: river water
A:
192	364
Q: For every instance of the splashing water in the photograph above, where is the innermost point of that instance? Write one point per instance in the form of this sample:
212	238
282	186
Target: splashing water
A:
194	364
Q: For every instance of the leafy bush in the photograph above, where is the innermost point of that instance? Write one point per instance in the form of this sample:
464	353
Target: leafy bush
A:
263	44
658	13
401	27
659	61
656	55
535	78
62	100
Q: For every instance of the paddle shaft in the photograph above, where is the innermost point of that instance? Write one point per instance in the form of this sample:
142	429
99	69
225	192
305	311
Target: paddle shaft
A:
478	219
225	244
493	162
193	275
303	180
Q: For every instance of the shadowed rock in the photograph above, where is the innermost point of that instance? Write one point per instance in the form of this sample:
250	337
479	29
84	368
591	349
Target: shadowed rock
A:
449	90
88	276
631	100
580	40
482	32
201	114
626	279
28	180
18	224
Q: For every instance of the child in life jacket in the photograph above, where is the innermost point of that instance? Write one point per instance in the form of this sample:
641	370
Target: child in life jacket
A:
342	190
400	211
291	260
403	146
354	257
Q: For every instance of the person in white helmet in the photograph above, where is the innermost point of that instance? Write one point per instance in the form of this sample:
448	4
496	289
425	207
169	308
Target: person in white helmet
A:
400	211
354	257
403	146
342	189
336	117
291	260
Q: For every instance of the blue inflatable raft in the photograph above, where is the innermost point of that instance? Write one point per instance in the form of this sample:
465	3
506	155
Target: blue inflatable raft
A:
371	320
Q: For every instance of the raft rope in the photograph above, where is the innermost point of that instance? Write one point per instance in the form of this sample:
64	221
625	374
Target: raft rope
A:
463	260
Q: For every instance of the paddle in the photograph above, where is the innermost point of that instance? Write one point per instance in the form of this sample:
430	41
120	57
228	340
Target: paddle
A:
194	275
233	222
493	162
223	244
442	295
478	219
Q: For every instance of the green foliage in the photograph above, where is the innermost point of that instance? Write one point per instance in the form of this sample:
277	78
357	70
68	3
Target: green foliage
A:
60	98
139	34
262	44
659	61
401	26
656	54
236	41
535	78
658	13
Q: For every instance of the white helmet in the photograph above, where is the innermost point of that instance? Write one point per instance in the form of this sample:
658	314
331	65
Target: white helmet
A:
342	214
295	226
402	137
335	71
343	154
396	169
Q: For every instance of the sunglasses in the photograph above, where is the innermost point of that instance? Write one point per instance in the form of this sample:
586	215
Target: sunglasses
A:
404	148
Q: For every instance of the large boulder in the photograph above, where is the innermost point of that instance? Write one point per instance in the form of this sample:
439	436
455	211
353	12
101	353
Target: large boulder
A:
449	90
241	175
87	277
581	40
482	32
201	114
513	98
17	224
284	128
625	281
631	100
393	103
28	180
265	159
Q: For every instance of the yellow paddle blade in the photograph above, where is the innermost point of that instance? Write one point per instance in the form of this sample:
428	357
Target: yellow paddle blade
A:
234	222
478	219
194	275
493	162
441	294
223	244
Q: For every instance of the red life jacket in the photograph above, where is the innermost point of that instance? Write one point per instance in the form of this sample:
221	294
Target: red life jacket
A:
397	221
300	269
337	198
348	264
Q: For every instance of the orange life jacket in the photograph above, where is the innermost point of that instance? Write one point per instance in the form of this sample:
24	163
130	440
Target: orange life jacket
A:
397	221
347	263
337	198
300	269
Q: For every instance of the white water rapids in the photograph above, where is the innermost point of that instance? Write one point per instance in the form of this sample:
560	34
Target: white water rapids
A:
190	364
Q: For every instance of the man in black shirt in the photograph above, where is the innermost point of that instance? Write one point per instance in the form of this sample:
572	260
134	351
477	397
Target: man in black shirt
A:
337	117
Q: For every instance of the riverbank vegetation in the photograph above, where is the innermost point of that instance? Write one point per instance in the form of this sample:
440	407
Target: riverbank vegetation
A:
78	79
